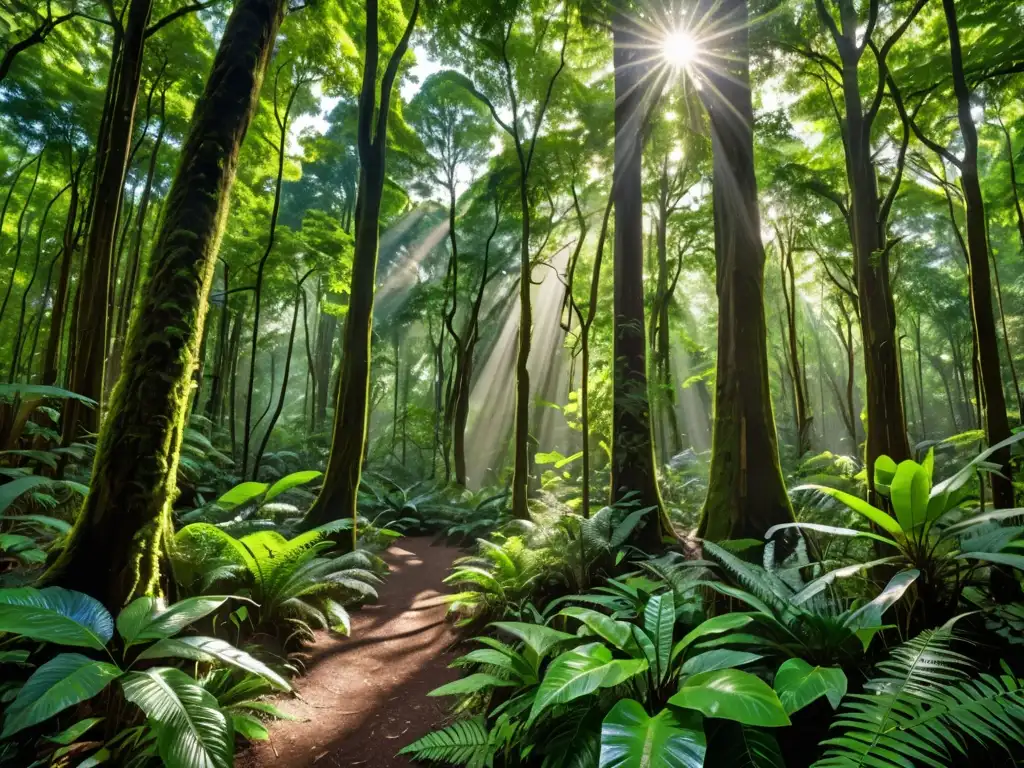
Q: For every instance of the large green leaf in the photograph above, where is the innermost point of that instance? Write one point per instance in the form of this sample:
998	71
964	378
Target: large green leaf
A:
659	620
861	507
909	494
720	658
630	738
713	626
191	730
538	638
56	615
243	493
871	614
211	649
580	672
798	684
147	619
36	391
9	492
61	526
471	684
288	482
618	633
732	694
1002	558
829	529
62	682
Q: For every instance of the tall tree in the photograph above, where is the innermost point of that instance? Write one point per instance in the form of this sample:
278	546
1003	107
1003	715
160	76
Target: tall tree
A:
127	512
337	498
746	491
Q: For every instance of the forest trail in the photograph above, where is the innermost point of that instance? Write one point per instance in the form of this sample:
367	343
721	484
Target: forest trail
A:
365	697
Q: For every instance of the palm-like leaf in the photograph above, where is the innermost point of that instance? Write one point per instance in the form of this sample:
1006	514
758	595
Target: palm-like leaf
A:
464	742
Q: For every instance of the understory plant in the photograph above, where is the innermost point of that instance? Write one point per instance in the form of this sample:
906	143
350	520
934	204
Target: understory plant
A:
158	712
297	584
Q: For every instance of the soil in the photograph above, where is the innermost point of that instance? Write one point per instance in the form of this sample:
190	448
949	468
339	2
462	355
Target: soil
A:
365	696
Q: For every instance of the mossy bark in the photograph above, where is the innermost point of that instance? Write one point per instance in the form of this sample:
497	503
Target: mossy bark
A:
633	473
746	491
337	498
115	549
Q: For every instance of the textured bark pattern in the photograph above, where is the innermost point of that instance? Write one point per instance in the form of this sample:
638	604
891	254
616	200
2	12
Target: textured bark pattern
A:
632	470
127	512
86	375
746	491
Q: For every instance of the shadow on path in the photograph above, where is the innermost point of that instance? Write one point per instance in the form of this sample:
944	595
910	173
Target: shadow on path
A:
364	699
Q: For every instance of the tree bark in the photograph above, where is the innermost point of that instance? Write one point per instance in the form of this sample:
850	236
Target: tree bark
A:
92	326
337	497
997	427
746	491
633	474
126	515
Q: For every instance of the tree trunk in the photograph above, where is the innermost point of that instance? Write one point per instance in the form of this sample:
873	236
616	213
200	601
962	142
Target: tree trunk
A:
92	332
337	498
633	474
19	232
126	515
746	491
51	356
997	427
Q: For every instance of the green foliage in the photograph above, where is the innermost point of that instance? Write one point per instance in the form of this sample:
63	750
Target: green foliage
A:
187	724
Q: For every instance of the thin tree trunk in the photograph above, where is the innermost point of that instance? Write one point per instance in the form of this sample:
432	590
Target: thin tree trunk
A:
127	512
341	482
92	324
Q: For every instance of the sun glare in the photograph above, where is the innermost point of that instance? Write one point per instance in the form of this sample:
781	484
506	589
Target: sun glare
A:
679	49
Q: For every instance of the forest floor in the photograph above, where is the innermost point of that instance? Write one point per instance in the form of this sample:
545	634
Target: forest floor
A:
365	697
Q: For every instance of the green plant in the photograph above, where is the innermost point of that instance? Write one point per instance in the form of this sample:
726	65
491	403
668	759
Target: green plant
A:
925	706
188	726
931	530
295	583
253	506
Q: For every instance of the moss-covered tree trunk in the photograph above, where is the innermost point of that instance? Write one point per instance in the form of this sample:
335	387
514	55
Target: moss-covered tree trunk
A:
85	375
115	549
633	473
337	498
746	491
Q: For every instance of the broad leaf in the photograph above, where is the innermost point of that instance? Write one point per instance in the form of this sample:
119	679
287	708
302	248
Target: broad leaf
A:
147	619
56	615
829	529
580	672
62	682
9	492
1002	558
618	633
288	482
192	732
211	649
471	684
720	658
861	507
713	626
242	493
630	738
732	694
538	638
798	684
909	493
871	614
659	620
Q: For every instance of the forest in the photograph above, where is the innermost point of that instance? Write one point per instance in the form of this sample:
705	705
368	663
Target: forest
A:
516	383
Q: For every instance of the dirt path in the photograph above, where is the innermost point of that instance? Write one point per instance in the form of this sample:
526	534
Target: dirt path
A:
365	697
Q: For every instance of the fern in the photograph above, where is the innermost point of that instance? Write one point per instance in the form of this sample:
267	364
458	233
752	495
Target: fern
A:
927	703
464	742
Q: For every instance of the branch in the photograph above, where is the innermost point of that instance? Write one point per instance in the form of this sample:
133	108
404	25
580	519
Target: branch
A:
935	147
810	55
173	16
880	55
883	213
550	90
830	23
39	34
391	72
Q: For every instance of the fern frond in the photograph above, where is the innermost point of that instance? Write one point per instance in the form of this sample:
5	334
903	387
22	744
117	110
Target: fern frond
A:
464	742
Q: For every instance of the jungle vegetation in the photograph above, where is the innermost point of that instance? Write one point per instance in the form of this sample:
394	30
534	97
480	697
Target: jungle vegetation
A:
696	324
